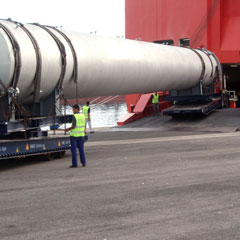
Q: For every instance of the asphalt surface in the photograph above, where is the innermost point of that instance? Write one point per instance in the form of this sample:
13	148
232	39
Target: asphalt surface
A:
138	184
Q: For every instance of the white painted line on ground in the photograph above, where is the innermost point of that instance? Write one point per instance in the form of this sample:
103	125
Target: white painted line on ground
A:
162	139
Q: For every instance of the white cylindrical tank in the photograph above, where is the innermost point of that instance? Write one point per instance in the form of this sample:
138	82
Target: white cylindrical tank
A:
103	66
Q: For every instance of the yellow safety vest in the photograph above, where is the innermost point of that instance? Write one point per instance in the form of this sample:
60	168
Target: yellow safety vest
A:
85	111
235	99
155	98
79	130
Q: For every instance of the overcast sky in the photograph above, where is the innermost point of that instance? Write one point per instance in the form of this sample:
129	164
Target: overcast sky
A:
107	17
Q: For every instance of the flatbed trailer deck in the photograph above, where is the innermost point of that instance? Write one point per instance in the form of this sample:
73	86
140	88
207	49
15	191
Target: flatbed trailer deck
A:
194	108
52	145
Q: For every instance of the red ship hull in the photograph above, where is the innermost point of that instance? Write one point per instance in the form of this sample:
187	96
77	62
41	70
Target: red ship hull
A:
213	24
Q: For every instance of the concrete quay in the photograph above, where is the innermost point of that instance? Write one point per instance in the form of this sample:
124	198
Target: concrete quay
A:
148	184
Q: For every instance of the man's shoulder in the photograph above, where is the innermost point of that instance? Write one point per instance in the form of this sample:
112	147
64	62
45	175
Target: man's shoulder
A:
77	114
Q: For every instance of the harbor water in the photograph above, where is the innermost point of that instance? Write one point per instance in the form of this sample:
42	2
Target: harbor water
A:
105	115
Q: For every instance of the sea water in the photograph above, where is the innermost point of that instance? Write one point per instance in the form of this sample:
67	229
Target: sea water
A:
104	115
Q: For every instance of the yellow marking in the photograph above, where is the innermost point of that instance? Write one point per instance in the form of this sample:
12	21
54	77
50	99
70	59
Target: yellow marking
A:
44	148
59	144
27	147
17	150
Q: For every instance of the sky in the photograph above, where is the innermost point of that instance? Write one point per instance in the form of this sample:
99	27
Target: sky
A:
101	17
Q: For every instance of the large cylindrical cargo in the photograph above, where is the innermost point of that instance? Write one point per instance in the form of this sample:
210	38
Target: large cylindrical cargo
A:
94	65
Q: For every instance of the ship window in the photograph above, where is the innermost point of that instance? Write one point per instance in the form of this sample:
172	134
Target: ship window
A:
164	42
184	42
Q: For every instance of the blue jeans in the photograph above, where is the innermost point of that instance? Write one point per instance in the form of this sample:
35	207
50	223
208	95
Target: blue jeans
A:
154	107
77	143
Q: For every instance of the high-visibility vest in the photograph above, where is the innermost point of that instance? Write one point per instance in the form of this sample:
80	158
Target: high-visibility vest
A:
235	99
79	130
155	98
85	111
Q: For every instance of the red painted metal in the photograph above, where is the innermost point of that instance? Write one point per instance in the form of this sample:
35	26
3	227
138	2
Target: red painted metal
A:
129	117
131	101
143	107
142	103
233	104
213	24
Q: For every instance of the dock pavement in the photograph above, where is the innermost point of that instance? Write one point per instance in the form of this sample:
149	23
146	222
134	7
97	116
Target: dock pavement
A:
139	183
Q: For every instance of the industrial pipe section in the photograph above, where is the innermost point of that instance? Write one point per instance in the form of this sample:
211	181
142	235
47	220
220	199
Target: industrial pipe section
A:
38	59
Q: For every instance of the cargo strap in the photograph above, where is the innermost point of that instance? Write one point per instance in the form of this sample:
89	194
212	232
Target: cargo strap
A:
17	55
75	60
208	55
37	76
14	101
203	65
62	52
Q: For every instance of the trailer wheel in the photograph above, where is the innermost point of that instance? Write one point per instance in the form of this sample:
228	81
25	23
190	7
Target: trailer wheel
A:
47	156
59	154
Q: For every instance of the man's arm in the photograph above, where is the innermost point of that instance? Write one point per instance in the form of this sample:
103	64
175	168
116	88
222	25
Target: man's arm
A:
73	125
89	114
68	129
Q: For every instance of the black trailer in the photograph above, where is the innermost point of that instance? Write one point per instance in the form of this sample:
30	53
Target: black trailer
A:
32	128
194	105
22	139
50	146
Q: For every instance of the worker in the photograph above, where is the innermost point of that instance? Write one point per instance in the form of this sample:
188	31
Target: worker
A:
155	102
233	98
86	113
77	133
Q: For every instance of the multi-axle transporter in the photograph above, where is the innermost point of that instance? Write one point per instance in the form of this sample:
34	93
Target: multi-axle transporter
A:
40	65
